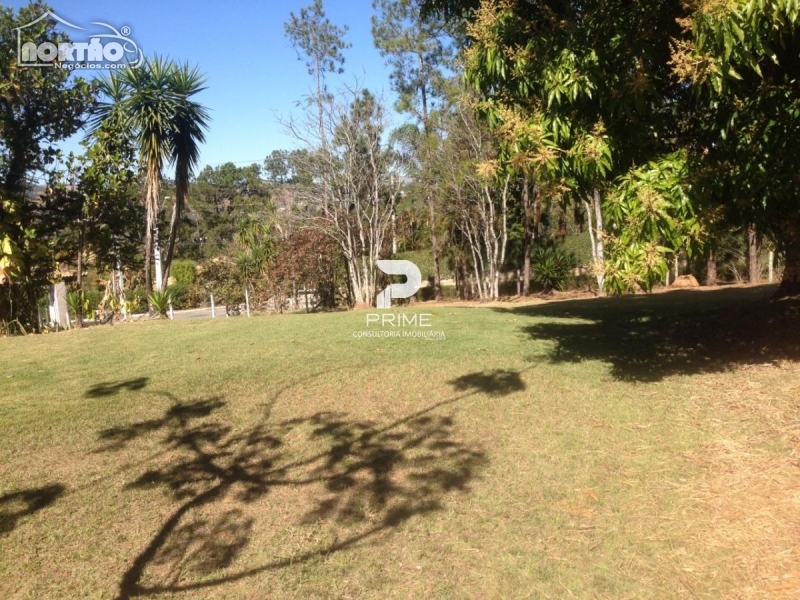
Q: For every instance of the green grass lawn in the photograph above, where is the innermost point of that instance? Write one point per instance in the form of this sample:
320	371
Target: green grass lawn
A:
642	447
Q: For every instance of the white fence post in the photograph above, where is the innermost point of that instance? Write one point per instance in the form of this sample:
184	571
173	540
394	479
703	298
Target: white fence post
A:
771	264
213	308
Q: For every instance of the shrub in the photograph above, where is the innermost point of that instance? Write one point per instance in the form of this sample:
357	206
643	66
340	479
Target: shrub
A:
179	292
221	277
582	281
136	299
92	298
183	270
187	296
580	246
551	267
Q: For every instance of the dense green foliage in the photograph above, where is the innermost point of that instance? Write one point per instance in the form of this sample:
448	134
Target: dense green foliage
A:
745	64
183	270
38	108
668	117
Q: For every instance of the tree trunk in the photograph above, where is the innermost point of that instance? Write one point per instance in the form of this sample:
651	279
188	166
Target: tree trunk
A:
437	280
752	255
148	253
790	283
601	257
153	190
580	218
157	259
174	224
504	234
711	267
596	237
426	127
320	105
394	229
464	279
527	241
79	279
120	282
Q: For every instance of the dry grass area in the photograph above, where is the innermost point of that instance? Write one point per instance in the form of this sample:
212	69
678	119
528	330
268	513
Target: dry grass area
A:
747	500
644	447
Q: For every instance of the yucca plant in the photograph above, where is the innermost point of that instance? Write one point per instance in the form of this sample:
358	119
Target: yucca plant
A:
75	302
77	305
551	267
160	302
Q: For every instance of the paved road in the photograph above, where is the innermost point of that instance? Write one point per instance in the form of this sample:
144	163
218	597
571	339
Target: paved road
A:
191	313
198	313
201	313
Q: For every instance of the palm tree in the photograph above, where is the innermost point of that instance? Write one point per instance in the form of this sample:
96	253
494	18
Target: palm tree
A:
153	104
190	119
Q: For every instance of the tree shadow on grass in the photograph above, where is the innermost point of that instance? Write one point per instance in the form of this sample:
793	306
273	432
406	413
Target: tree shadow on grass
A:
648	338
499	382
110	388
18	505
363	476
177	416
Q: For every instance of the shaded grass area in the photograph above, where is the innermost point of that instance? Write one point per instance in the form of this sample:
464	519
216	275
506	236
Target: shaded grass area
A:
641	447
649	338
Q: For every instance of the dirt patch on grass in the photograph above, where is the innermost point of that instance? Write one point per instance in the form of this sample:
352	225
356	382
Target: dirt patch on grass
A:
747	500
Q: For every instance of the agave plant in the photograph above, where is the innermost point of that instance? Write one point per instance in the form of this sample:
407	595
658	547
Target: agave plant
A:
75	300
77	305
160	302
551	267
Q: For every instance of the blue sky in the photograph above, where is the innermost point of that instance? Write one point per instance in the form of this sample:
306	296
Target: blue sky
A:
253	73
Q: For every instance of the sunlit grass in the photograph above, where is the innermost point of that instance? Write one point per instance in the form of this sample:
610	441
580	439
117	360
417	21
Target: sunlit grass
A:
584	448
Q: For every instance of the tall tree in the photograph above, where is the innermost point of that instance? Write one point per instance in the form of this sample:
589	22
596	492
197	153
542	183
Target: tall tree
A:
221	197
92	208
419	52
319	43
595	77
39	107
743	61
189	122
136	99
154	104
352	187
277	168
476	189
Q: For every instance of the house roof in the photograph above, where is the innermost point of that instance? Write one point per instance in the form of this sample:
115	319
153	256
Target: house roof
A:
53	16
